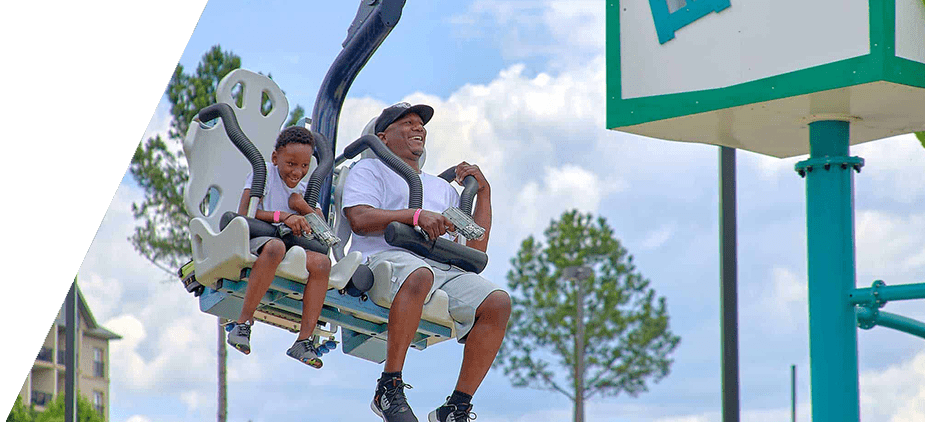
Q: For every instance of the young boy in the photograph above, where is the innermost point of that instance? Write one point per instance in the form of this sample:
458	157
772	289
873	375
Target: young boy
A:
283	203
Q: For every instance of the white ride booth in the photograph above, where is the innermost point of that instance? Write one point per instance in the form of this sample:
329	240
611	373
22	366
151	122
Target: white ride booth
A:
784	78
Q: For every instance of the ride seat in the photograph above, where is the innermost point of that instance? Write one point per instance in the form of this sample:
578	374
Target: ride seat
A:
217	174
436	305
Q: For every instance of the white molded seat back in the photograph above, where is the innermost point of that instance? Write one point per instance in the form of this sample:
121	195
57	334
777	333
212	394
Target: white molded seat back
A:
214	162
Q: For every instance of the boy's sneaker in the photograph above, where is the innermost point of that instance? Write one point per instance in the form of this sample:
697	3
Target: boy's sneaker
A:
390	402
240	337
452	413
304	351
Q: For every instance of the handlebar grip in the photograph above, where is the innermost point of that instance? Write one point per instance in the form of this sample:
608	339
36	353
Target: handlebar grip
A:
240	141
440	250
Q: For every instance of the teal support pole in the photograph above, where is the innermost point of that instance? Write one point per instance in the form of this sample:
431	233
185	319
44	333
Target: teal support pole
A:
833	350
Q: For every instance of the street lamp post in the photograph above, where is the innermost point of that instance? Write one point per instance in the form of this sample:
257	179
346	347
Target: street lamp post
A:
578	274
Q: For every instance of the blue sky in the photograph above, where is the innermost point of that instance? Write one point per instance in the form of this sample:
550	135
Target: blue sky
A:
518	87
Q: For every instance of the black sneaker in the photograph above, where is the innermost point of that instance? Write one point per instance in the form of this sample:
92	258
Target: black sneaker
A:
239	337
390	402
452	413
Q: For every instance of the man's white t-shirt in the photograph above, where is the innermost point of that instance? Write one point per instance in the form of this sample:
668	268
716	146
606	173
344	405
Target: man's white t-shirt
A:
371	182
275	193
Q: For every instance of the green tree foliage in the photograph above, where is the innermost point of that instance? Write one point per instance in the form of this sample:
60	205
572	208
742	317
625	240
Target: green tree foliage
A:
54	412
159	166
627	341
20	412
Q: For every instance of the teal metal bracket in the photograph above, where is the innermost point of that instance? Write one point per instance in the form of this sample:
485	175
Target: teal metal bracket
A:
826	163
870	300
879	294
667	22
870	317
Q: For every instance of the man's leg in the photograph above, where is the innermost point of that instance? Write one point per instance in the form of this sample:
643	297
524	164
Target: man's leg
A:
389	401
405	316
484	341
475	303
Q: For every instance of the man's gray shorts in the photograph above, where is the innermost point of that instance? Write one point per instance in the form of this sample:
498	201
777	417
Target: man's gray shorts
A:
466	290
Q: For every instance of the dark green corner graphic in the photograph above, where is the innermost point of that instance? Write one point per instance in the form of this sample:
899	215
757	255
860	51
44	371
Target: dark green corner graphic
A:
80	82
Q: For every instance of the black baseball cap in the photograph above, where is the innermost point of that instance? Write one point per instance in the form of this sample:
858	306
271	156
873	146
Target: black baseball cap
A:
397	111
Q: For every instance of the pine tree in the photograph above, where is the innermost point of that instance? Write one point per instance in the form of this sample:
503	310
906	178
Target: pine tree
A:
601	333
160	168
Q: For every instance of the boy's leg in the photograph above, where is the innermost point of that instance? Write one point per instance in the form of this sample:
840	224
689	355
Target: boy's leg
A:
262	274
271	253
319	272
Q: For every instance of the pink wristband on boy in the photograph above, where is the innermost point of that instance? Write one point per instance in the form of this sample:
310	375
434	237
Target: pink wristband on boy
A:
416	215
276	216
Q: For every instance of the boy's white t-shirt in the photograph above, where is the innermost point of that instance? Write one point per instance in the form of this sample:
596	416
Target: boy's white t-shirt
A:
275	193
371	182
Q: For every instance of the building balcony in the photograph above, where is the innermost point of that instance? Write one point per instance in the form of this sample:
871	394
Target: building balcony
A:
41	398
46	354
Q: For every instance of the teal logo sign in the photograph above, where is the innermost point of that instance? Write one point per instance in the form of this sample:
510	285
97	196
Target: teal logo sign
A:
672	15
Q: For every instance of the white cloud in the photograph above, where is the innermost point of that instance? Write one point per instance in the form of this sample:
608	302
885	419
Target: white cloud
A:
568	187
896	394
889	245
658	237
138	418
788	288
564	31
192	398
159	123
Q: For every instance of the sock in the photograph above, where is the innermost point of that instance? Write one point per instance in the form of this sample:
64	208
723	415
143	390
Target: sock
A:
459	397
388	376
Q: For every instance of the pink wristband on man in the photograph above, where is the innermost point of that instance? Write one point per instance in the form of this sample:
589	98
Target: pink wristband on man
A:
416	215
276	216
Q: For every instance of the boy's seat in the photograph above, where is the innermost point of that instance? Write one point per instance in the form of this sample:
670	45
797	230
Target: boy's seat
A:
217	173
436	306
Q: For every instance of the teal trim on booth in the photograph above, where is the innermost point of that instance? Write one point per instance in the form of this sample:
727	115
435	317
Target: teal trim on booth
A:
840	74
666	23
881	64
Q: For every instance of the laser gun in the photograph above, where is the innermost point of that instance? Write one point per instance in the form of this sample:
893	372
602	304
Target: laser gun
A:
465	225
321	230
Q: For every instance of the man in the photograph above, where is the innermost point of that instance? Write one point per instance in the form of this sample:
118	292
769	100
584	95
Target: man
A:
375	196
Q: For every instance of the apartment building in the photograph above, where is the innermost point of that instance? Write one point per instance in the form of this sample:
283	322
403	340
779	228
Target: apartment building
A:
46	379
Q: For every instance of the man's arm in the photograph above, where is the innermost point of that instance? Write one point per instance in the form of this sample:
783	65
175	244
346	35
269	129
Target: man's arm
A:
368	221
482	212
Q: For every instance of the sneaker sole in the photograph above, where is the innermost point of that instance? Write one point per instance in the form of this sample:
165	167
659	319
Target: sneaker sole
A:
372	405
432	416
313	362
242	348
